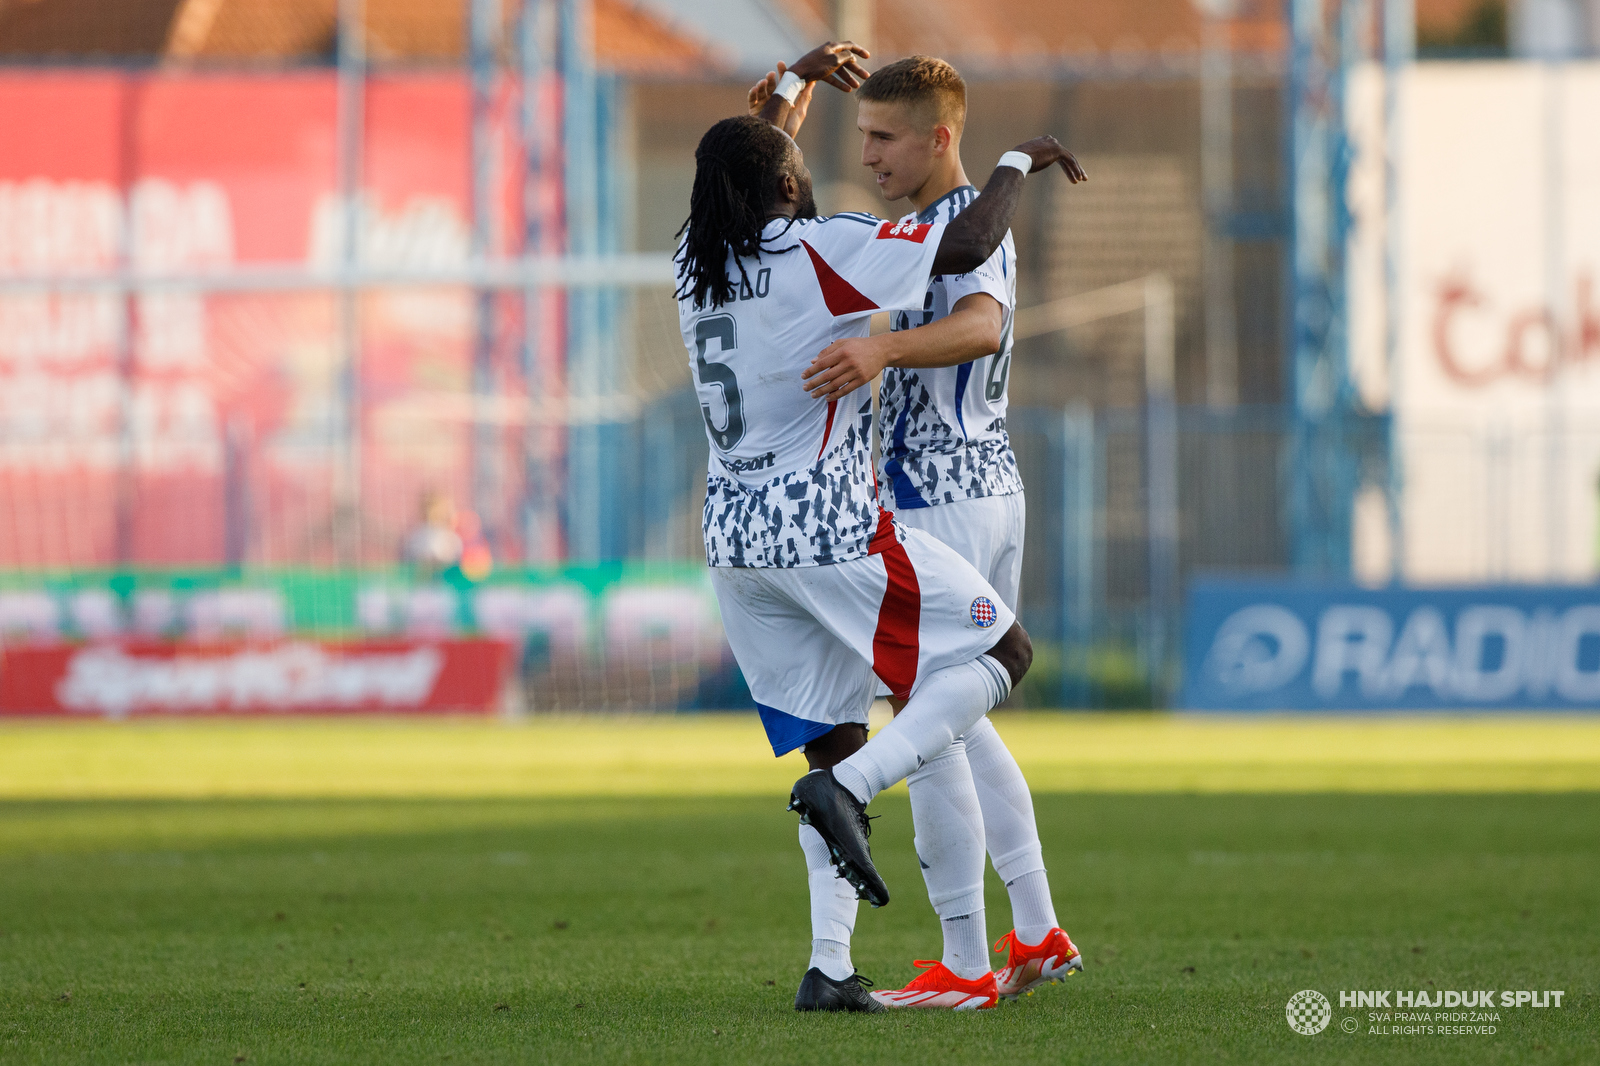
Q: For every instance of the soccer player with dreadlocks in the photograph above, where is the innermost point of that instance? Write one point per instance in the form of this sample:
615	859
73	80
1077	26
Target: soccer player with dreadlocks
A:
948	470
822	592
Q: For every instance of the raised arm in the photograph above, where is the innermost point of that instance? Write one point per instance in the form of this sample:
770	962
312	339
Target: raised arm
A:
836	63
972	329
762	91
982	225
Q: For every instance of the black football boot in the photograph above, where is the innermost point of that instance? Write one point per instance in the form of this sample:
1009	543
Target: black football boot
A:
841	819
818	991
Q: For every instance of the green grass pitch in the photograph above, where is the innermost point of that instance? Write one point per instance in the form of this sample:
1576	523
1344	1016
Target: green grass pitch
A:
674	929
630	890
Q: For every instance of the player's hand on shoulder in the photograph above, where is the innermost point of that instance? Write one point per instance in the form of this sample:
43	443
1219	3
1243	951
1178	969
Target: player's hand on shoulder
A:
836	62
1046	151
844	366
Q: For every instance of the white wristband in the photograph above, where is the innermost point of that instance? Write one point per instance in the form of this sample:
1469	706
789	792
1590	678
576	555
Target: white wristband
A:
1021	160
789	86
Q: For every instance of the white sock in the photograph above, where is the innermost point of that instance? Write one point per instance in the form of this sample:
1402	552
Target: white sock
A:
944	810
943	707
966	945
949	827
1010	831
833	909
1031	911
832	958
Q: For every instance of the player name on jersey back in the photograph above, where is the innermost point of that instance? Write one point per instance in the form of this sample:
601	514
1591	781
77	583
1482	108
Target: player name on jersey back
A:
943	429
790	479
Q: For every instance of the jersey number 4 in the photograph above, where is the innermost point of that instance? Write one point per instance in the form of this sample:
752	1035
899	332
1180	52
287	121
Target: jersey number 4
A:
721	329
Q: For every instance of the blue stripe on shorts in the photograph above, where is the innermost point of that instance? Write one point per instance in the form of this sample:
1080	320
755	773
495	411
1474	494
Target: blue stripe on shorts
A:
786	732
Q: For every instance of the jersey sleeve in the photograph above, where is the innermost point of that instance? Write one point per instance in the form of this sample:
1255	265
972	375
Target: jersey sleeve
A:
867	267
990	278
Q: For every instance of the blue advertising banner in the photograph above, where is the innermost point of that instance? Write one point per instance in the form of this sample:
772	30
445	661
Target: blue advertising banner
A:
1290	646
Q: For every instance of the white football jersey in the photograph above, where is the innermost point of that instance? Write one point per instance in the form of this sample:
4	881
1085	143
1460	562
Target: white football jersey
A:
942	430
790	480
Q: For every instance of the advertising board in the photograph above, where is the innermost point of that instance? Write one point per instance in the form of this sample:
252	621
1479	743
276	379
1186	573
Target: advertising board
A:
165	398
1283	646
1475	316
116	680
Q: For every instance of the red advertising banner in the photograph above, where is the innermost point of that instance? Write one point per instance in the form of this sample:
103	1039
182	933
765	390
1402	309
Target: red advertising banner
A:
193	427
291	677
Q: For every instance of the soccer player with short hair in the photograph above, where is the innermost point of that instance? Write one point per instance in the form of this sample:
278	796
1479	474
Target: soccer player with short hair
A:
822	592
948	470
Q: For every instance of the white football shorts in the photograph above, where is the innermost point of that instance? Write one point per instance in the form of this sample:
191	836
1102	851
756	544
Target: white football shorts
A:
986	531
813	641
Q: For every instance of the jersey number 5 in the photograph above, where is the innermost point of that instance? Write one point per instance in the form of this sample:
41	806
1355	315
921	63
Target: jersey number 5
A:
720	328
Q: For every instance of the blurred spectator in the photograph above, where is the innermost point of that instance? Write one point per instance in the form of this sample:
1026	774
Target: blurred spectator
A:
476	559
433	545
447	543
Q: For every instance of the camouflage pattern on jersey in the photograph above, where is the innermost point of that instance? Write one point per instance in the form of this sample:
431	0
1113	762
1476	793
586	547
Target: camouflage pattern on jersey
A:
944	466
929	455
825	514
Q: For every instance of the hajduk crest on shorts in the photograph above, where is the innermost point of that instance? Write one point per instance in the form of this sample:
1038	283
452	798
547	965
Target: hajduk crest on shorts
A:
983	612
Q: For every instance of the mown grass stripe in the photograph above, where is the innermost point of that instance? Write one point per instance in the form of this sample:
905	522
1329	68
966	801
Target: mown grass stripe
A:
725	755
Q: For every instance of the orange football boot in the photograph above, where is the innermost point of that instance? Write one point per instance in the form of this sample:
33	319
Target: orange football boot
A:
936	988
1053	959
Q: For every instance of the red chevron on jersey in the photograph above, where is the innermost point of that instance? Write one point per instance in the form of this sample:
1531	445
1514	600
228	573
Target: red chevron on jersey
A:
790	482
841	297
904	231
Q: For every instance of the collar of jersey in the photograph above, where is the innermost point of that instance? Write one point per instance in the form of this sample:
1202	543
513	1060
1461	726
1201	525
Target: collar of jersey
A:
790	223
929	213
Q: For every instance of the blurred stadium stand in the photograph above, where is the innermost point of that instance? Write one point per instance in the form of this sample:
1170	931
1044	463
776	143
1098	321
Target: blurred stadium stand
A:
273	434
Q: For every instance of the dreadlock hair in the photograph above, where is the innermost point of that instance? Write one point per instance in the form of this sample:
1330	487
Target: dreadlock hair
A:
737	167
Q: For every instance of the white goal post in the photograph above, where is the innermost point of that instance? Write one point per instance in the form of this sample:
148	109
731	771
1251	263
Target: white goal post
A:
1153	295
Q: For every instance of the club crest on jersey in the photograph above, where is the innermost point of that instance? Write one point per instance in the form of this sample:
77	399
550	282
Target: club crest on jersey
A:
983	612
914	232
